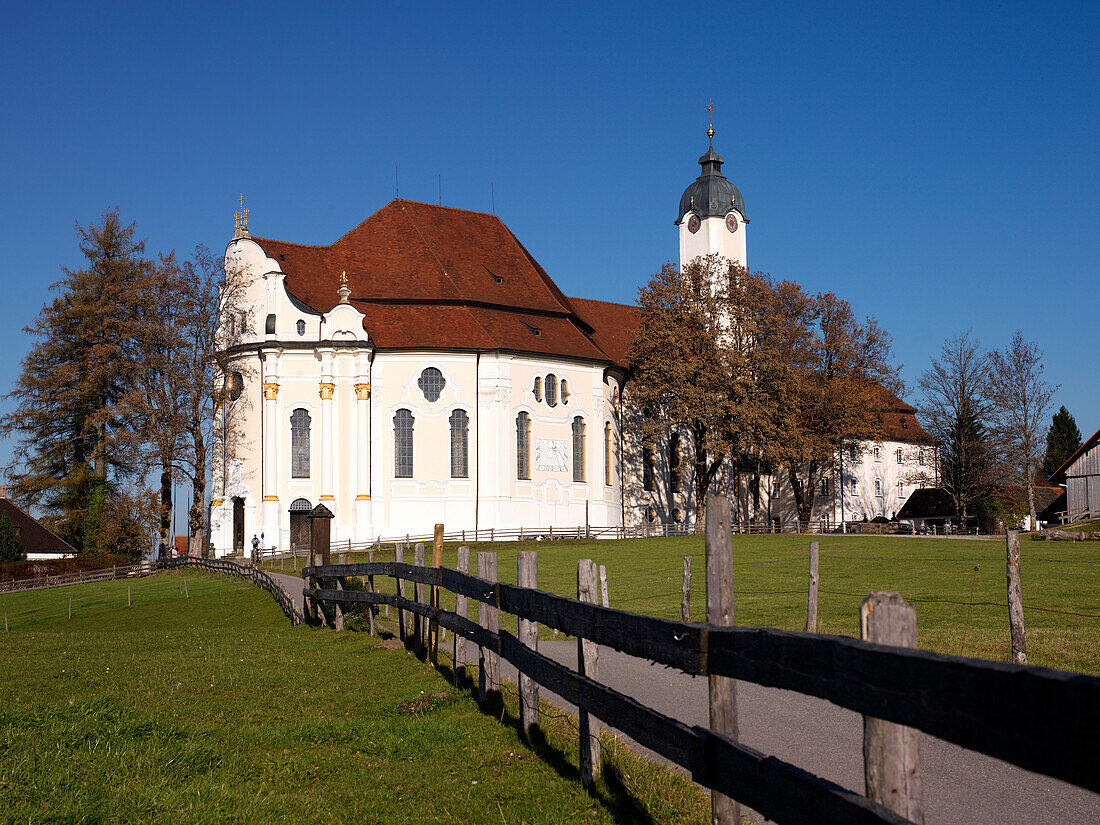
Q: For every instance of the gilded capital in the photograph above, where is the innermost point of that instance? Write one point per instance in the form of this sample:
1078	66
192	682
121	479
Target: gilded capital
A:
271	498
327	388
362	391
271	391
217	502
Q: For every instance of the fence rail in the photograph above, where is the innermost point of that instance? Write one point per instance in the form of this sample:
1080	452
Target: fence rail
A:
241	571
80	577
1037	718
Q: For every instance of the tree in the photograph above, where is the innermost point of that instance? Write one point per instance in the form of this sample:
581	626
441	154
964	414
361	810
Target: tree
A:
842	383
11	549
1063	440
1020	401
953	409
693	357
74	455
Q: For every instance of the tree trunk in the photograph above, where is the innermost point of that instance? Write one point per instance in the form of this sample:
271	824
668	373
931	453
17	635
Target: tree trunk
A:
165	509
196	516
1031	500
801	501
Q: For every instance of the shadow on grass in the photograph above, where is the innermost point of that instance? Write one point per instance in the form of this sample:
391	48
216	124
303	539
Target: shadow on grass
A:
611	792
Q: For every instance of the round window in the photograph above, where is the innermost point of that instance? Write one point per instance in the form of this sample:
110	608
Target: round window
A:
650	514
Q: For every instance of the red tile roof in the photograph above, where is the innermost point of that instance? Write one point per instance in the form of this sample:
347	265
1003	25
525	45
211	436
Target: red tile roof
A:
613	325
436	277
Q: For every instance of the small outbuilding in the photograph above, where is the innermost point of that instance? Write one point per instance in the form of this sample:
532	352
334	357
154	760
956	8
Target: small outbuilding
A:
1080	475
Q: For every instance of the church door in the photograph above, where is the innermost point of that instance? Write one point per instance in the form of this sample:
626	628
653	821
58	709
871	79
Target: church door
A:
238	524
299	524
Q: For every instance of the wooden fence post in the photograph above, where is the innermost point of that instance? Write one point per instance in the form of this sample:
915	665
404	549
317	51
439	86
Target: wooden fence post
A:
722	689
371	608
811	600
685	591
339	623
433	627
418	591
488	616
399	557
603	586
1015	599
462	607
528	635
891	752
588	664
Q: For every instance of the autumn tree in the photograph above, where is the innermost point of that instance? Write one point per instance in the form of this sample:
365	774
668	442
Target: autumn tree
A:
690	358
955	410
1063	439
73	458
837	396
1020	400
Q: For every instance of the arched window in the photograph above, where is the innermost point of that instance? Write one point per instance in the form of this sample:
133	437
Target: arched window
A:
538	388
578	449
900	456
564	391
901	490
607	453
301	327
674	462
551	390
236	386
299	444
431	383
878	488
878	455
403	444
460	452
647	468
523	446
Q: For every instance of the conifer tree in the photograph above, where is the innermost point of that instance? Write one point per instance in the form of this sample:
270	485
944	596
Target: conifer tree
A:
74	455
1063	439
10	547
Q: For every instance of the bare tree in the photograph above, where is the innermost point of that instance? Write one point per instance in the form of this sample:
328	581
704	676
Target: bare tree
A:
1020	400
954	409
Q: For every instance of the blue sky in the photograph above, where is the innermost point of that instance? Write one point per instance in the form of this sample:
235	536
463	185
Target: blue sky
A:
933	163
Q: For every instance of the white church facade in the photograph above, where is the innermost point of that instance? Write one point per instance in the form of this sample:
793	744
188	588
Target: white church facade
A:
424	368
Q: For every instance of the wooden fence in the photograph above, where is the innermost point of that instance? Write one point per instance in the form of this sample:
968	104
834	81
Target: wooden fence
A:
1039	719
241	571
80	577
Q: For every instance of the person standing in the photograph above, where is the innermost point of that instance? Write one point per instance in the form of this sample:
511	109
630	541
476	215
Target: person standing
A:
255	548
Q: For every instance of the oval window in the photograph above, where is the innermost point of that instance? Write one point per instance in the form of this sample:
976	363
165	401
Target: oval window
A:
552	390
564	391
431	383
538	388
301	327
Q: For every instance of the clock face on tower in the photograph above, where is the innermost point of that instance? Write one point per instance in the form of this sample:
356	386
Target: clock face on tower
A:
693	224
731	222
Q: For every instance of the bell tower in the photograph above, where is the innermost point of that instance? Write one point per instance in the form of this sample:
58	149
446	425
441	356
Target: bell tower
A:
712	214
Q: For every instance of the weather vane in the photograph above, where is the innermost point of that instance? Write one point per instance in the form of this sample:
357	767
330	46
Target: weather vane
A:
709	108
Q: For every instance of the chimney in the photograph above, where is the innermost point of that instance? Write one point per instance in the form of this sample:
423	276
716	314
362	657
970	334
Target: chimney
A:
3	491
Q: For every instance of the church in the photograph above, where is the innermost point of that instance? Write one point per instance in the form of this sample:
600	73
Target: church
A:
425	368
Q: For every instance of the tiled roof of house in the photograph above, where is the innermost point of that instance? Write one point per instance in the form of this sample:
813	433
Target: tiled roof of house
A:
613	324
901	421
439	277
34	537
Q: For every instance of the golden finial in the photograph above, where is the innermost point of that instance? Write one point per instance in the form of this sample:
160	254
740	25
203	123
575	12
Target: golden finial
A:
343	291
344	277
241	230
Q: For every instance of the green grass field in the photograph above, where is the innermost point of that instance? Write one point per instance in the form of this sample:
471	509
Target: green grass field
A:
211	708
1061	586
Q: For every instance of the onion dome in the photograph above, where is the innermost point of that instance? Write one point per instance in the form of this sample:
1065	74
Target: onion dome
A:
711	194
